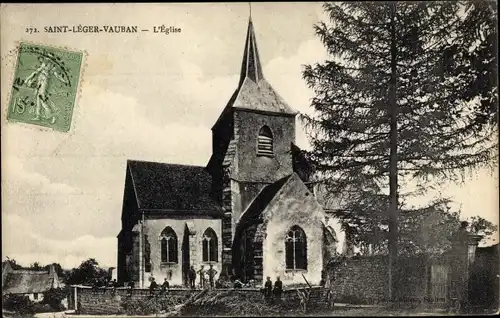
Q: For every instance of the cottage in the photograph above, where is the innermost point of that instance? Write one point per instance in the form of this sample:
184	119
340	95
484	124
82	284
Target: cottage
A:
251	212
29	283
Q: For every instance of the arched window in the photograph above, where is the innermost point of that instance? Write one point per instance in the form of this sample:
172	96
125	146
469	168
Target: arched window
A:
210	250
168	241
265	142
296	249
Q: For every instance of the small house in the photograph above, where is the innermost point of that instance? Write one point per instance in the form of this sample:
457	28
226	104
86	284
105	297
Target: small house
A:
31	283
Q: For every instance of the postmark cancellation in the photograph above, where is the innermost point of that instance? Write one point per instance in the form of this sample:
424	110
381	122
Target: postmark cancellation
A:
45	87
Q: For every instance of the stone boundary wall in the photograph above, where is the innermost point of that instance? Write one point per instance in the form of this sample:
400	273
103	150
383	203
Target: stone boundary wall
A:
364	279
105	301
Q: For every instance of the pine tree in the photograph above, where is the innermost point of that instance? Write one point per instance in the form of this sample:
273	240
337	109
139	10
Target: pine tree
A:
387	112
475	50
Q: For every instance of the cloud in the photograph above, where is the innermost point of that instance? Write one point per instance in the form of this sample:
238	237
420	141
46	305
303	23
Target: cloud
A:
285	75
75	187
26	246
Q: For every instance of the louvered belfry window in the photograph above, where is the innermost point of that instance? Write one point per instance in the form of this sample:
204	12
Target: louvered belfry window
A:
265	142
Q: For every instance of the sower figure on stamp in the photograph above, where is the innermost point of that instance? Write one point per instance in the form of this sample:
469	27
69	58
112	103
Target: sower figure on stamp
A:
211	275
201	273
40	79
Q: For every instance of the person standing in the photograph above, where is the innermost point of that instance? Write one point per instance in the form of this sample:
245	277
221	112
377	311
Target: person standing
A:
211	276
165	286
130	288
152	287
192	277
278	289
114	284
201	273
268	288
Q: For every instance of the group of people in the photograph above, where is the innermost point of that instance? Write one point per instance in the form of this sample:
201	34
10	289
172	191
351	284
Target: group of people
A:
103	283
206	280
154	286
276	291
203	275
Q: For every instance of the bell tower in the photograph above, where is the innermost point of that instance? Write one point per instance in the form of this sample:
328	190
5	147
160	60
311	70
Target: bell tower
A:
251	143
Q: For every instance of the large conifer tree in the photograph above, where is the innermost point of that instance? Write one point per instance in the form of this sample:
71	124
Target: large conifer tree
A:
390	107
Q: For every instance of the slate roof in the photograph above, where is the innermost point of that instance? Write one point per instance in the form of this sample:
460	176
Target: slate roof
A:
254	92
28	282
260	202
260	96
163	186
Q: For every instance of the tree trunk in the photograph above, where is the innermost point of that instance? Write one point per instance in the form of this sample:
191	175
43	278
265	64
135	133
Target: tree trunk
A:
393	162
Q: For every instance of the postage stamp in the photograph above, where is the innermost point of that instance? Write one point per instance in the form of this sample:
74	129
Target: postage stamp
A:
45	86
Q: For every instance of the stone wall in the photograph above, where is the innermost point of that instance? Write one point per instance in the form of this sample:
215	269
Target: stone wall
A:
105	302
196	228
251	167
294	205
365	279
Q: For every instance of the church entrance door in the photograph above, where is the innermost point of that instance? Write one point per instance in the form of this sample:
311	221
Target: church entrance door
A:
185	257
248	256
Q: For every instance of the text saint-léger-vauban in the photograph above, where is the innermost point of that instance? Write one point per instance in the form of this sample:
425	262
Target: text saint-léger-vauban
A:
107	29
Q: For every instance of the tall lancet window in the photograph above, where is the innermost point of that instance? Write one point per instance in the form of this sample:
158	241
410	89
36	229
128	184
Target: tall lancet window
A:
168	240
296	249
210	250
265	142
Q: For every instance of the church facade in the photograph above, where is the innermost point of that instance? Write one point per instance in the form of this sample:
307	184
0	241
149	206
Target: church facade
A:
251	212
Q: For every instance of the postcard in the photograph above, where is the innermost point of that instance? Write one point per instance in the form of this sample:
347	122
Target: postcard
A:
270	158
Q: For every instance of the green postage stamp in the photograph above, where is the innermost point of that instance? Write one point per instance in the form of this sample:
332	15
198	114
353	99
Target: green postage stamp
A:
45	86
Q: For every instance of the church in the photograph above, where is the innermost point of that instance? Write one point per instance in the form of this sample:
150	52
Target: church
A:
251	212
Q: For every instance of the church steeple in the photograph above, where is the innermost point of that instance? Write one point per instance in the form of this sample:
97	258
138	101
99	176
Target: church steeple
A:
254	93
251	67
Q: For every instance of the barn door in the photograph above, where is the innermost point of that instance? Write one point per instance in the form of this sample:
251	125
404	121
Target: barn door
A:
439	283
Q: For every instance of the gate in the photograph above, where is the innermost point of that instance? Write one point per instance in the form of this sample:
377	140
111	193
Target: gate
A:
439	283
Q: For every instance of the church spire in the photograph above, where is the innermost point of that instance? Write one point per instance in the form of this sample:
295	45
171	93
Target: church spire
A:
251	67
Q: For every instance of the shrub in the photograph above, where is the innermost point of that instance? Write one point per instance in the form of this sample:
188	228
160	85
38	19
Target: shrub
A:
54	298
229	303
18	303
147	306
41	307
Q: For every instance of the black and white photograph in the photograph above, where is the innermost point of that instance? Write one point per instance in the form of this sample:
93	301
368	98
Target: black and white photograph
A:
249	159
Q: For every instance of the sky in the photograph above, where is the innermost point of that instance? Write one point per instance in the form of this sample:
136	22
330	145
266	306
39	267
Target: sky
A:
147	97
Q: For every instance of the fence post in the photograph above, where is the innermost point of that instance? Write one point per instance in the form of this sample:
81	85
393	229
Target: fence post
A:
76	298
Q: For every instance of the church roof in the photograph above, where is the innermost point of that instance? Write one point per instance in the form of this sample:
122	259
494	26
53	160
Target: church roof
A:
263	199
163	186
251	67
254	92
